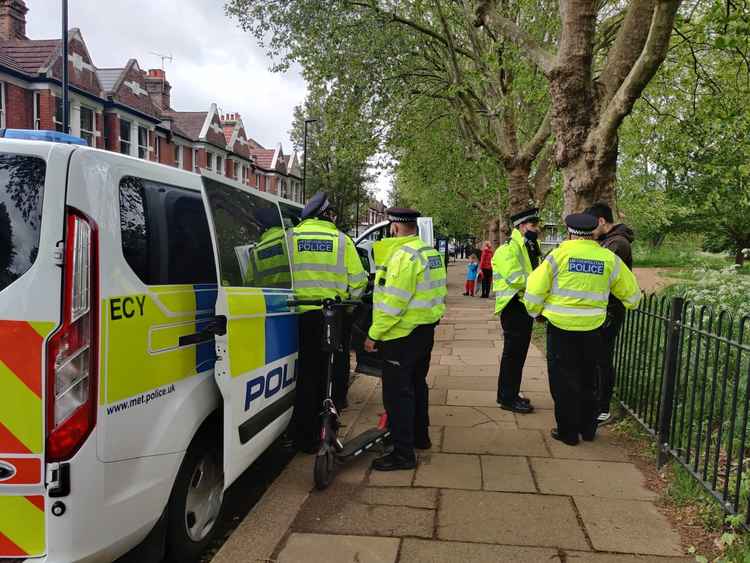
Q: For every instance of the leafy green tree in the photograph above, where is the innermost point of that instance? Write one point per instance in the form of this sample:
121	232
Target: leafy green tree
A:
340	146
692	144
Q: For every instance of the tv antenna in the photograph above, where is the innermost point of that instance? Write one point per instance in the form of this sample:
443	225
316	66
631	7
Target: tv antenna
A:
163	57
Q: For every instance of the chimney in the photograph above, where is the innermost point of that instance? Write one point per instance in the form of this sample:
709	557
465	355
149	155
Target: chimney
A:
230	119
158	88
13	19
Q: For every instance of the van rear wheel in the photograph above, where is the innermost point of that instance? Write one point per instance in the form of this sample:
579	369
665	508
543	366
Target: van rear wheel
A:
196	501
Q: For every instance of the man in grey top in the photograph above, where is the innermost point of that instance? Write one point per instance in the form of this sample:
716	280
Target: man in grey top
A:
617	238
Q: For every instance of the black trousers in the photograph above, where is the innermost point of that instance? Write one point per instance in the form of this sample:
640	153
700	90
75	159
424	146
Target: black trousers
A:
311	376
405	393
606	368
572	359
516	327
486	282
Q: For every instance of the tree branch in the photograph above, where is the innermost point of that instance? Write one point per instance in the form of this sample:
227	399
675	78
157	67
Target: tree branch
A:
639	76
407	22
534	146
532	48
628	45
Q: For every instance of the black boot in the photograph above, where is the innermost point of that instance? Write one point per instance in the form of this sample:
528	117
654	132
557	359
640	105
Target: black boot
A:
393	462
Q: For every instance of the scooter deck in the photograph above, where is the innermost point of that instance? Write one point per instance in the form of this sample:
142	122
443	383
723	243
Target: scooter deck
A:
362	443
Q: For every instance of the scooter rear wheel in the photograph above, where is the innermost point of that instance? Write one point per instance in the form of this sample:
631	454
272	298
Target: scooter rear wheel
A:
325	466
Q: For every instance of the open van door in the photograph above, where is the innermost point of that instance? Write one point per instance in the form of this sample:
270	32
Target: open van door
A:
255	332
32	235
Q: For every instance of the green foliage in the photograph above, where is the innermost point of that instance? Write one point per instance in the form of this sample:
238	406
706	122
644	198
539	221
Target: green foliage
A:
339	146
686	163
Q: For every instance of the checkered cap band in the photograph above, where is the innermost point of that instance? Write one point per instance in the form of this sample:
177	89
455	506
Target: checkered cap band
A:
525	218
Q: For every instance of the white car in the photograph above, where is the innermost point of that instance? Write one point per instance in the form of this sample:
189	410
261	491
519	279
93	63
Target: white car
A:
142	367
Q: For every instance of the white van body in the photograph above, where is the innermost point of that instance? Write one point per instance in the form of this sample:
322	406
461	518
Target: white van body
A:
159	376
380	231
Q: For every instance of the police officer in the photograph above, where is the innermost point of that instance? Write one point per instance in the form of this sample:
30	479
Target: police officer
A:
571	289
268	263
408	303
511	265
325	264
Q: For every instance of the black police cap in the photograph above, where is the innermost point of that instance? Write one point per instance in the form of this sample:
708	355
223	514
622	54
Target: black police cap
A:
531	214
402	215
581	224
268	217
316	205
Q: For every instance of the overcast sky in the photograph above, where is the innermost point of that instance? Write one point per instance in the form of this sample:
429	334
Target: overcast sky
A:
214	61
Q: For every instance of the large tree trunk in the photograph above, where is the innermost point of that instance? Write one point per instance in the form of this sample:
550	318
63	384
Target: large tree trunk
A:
588	180
519	186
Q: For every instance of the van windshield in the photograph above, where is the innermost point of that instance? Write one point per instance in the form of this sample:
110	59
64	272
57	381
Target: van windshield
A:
21	193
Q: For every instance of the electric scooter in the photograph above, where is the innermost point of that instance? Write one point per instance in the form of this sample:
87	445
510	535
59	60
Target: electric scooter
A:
332	451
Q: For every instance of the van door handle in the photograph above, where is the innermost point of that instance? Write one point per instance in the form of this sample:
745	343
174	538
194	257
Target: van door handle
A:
214	326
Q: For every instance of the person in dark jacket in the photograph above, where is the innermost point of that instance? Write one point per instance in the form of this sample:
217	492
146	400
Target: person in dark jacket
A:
618	238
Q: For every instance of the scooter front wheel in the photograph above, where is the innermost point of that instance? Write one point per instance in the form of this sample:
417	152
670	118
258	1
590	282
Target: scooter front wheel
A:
325	466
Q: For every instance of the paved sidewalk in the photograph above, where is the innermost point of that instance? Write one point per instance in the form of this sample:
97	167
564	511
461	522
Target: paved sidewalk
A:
494	487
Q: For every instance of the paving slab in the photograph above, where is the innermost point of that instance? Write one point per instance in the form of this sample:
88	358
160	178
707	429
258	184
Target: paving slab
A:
590	478
497	414
438	396
449	471
436	437
436	370
478	357
474	334
493	424
474	371
495	442
337	513
505	473
468	346
534	385
463	397
590	557
398	496
509	518
456	416
628	526
601	449
467	383
541	419
427	551
391	478
319	548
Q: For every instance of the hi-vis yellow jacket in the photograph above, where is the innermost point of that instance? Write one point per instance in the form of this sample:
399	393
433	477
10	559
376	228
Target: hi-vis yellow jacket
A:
268	265
511	267
325	263
571	286
410	288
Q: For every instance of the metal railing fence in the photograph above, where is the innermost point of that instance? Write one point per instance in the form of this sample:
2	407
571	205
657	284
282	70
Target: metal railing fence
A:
682	372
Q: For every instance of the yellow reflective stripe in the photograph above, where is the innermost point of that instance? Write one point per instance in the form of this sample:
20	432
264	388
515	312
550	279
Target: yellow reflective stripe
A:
22	523
531	298
580	311
42	328
635	298
247	316
20	410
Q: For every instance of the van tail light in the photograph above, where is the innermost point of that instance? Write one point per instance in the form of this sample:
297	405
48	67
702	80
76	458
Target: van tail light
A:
72	362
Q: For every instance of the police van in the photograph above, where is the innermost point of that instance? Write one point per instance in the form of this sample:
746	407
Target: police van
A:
144	361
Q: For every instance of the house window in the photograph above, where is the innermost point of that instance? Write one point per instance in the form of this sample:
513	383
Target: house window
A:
59	115
142	142
157	144
178	156
37	111
88	126
196	168
209	160
125	136
219	165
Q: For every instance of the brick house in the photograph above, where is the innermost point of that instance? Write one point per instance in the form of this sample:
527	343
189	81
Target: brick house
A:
127	110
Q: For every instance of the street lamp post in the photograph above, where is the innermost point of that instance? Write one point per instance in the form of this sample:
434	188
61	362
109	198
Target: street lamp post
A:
304	159
65	100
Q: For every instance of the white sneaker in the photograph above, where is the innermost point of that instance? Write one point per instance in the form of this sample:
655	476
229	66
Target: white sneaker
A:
604	417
